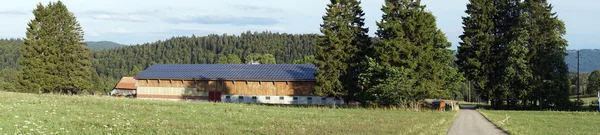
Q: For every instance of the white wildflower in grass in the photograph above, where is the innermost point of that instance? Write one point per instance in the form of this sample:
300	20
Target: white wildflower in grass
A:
62	128
16	116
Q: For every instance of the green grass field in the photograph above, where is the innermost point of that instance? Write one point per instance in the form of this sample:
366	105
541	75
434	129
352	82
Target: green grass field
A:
587	100
55	114
546	122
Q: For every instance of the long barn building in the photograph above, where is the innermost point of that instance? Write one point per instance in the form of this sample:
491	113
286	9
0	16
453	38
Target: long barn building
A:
242	83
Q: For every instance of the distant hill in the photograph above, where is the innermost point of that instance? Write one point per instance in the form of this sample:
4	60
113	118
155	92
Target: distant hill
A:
588	62
103	45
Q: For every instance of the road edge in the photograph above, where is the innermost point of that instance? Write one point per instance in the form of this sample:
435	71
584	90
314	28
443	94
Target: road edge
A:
488	119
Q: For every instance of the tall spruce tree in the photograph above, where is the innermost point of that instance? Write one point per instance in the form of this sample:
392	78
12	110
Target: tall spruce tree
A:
474	53
54	57
547	56
515	52
510	70
340	49
411	40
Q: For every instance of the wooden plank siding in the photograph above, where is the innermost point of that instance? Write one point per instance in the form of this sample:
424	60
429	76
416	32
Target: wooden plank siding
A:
227	87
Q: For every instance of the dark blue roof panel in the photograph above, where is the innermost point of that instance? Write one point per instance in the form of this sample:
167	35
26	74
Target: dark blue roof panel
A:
262	72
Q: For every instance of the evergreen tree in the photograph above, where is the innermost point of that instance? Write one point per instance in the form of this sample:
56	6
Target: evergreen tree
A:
473	58
509	63
306	60
340	49
54	57
514	51
9	77
547	55
411	40
136	70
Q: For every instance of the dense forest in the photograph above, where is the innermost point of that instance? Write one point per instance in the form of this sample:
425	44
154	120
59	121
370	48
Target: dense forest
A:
203	50
103	45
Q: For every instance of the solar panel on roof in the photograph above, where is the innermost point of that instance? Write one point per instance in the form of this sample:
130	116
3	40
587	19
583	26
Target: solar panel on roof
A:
283	72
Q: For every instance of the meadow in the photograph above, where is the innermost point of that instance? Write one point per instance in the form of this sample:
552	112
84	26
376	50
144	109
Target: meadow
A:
545	122
61	114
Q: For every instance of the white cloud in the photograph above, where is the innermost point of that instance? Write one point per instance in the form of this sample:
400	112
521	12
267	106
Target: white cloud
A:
120	30
118	17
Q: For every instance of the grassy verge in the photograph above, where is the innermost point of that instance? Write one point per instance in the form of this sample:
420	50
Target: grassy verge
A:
586	100
546	122
55	114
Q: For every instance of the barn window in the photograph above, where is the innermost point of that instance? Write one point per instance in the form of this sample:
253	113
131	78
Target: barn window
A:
309	98
268	98
323	99
295	98
227	97
241	97
253	97
281	98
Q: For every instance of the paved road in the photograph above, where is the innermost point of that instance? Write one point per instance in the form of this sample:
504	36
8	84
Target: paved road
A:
471	122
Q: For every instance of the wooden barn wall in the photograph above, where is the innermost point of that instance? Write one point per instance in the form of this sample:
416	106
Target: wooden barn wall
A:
229	87
170	91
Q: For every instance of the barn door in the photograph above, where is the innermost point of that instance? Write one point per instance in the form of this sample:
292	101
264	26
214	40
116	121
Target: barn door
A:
211	96
214	96
217	96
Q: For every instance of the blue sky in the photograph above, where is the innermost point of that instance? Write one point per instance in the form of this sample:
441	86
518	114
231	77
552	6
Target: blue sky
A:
141	21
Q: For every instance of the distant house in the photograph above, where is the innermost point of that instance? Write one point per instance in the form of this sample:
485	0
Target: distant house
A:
125	87
242	83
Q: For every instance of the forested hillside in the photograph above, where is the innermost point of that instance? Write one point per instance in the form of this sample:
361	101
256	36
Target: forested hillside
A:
103	45
9	50
9	53
203	50
589	61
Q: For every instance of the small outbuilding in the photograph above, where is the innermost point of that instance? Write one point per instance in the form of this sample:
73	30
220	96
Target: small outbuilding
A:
242	83
125	87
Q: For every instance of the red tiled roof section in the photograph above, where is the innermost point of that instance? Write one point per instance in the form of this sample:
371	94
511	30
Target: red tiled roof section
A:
126	83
